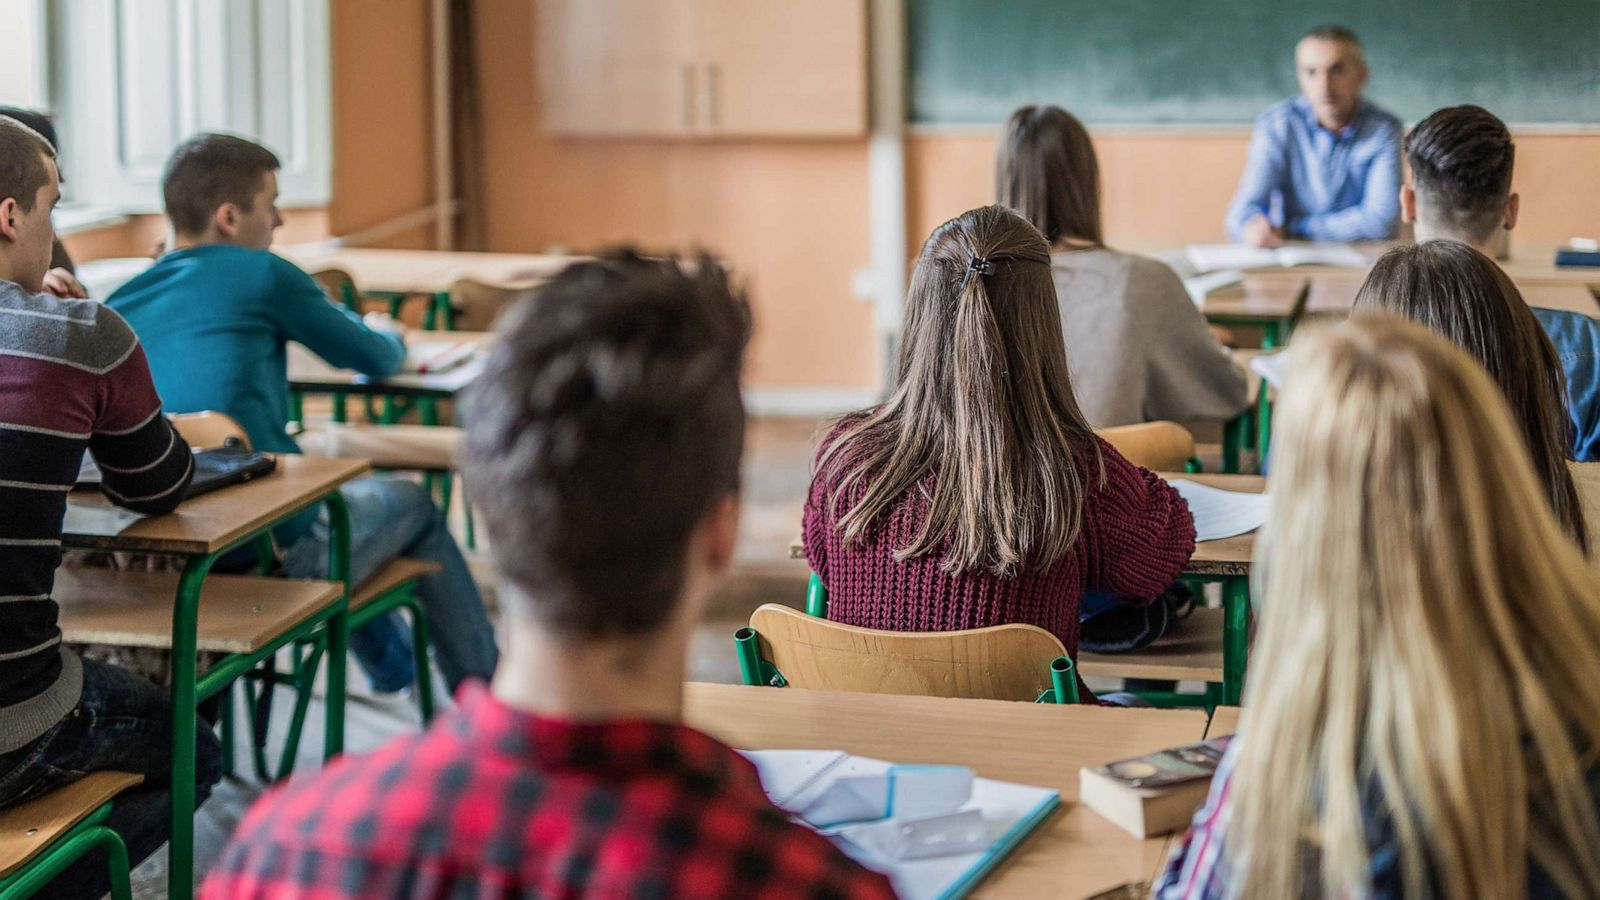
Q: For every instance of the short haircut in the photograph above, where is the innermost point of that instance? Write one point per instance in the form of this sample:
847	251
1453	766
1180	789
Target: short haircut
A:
35	119
1337	34
606	425
24	162
1461	159
209	170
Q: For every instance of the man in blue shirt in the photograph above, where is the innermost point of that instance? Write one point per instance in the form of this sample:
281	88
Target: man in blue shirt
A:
1461	160
1323	166
214	315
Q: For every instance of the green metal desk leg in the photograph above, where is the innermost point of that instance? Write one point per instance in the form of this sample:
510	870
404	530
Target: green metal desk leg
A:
339	625
1263	425
1233	432
1271	335
185	613
816	597
447	312
1235	636
419	648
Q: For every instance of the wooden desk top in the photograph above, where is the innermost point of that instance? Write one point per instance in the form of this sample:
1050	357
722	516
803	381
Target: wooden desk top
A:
1535	263
26	830
308	372
1229	556
1074	854
1274	299
424	271
1224	721
210	522
1576	298
1336	295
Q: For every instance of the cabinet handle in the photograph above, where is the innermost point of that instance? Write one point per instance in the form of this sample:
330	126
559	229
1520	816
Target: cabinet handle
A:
686	95
712	115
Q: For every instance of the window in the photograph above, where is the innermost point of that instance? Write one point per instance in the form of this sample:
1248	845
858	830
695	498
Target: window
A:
130	79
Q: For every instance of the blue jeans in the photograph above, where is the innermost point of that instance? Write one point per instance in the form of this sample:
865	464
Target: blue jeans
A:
391	517
122	723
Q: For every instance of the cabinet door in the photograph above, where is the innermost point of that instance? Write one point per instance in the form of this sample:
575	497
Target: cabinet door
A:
619	67
782	67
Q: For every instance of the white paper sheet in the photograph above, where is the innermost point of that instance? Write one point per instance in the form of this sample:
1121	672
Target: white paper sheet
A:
1272	367
1201	286
1214	257
1221	514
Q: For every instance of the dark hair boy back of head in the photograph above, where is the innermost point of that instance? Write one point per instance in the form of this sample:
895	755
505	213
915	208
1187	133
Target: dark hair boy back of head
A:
1461	159
23	162
606	425
33	118
209	170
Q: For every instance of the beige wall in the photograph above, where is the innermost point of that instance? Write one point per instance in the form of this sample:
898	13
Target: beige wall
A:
1171	188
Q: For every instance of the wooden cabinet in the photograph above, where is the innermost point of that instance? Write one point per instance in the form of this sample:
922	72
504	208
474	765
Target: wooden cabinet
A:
703	67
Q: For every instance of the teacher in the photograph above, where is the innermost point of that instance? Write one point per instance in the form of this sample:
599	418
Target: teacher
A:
1323	166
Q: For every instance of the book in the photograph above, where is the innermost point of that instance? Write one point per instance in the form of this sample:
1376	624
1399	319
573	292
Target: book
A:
1152	794
1221	514
423	357
1571	256
935	831
1215	257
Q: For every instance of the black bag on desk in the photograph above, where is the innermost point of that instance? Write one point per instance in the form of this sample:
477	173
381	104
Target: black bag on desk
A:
1119	628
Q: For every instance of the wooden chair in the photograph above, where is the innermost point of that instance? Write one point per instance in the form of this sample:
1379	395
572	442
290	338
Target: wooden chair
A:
1586	478
477	304
41	838
206	430
784	647
1159	446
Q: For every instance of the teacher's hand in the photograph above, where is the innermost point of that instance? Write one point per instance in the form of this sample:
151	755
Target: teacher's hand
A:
1258	232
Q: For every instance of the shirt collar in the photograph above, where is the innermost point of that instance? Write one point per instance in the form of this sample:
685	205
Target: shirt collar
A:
619	748
1303	106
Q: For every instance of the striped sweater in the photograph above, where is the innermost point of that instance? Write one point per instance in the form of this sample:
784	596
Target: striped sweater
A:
72	376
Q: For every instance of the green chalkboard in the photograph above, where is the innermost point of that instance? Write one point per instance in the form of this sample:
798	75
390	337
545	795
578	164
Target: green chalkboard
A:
1223	61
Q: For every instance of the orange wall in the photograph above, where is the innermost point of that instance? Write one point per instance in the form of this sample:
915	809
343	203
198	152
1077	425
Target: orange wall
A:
791	216
1172	188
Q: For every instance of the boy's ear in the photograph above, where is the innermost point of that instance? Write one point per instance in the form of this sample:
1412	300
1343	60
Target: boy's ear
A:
1513	205
1408	204
8	218
226	219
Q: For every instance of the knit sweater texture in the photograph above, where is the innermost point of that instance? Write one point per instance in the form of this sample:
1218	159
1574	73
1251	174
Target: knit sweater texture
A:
1137	534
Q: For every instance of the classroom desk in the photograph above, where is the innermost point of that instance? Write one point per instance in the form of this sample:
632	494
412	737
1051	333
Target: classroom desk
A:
1224	721
308	374
396	274
1535	263
1335	295
203	529
1269	302
1074	854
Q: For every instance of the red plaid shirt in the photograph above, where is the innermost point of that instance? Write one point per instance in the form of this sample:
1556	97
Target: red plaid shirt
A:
491	802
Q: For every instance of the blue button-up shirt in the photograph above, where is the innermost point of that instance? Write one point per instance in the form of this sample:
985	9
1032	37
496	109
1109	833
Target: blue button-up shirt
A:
1577	341
1317	184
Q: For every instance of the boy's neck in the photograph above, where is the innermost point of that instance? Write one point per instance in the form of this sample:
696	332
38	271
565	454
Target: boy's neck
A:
560	677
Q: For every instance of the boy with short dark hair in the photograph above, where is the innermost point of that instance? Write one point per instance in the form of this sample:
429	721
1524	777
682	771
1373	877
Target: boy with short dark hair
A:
603	444
216	313
1461	160
73	377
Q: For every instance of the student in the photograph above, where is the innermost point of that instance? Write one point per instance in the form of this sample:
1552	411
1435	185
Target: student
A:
977	494
603	443
1420	717
1323	166
1461	161
1460	294
74	378
215	313
61	280
1137	348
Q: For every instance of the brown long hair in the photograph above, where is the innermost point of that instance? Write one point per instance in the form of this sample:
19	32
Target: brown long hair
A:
1459	293
1045	169
984	404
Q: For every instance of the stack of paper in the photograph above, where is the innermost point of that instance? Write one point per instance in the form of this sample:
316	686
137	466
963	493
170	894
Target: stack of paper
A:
1214	257
1221	514
936	831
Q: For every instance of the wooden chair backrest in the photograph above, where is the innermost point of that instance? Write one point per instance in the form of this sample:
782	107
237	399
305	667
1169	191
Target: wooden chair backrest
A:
334	282
1003	662
1586	478
204	430
479	303
1161	446
28	828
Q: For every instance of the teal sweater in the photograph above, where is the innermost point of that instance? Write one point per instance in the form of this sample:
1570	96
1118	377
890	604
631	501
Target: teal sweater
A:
214	320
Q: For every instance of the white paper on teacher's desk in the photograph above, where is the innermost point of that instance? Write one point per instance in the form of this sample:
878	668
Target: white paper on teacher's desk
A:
1201	286
1221	514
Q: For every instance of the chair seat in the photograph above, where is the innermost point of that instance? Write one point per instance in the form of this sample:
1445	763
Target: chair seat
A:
395	573
427	448
28	829
238	613
1190	652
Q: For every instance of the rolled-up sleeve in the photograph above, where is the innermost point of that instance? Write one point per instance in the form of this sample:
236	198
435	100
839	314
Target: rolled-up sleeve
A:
1264	172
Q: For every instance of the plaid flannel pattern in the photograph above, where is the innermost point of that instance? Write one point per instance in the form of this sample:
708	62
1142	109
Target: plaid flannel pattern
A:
491	802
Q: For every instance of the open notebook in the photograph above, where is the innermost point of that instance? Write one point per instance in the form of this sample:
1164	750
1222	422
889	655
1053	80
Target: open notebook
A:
1221	514
869	807
423	357
1217	257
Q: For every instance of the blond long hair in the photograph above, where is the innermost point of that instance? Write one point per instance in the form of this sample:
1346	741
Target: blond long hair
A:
1427	631
984	404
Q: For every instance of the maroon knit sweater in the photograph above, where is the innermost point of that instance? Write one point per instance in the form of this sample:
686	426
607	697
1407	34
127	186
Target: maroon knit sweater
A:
1137	534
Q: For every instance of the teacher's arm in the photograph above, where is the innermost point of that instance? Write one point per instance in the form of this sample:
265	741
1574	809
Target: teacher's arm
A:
1264	172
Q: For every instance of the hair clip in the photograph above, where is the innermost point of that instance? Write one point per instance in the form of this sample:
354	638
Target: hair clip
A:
977	265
